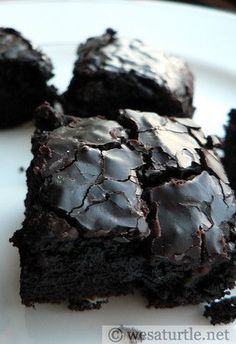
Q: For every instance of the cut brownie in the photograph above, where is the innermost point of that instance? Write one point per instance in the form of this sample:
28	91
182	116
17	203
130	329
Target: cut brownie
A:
24	72
113	73
113	207
230	149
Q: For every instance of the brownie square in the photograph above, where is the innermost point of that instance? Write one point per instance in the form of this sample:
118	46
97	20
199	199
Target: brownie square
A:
24	72
141	203
113	73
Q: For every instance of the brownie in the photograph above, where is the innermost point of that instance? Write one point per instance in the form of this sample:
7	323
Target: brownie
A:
229	159
141	203
113	73
24	72
221	311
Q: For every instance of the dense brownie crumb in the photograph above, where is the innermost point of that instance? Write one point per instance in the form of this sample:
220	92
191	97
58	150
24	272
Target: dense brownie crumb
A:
113	73
141	203
24	72
230	149
221	311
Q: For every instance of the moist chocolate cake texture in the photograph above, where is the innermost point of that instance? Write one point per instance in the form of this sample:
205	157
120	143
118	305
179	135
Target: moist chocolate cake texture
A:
113	73
229	159
24	72
221	311
141	203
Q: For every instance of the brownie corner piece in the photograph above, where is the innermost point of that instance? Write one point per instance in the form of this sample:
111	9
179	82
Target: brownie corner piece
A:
24	73
115	206
83	212
113	73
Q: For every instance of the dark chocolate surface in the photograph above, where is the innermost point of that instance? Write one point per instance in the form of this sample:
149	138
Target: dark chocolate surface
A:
116	55
91	176
192	215
115	206
171	143
15	47
24	75
97	173
114	73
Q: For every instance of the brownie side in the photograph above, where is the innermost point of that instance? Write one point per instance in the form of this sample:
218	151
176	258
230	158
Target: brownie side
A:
112	73
24	72
229	159
109	212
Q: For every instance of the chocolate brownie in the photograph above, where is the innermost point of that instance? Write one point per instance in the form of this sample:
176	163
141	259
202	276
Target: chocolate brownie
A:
141	203
112	73
230	149
221	311
24	72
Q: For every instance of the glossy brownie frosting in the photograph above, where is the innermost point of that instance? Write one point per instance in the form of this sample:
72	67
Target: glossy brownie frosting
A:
140	203
144	176
192	216
92	177
113	73
120	55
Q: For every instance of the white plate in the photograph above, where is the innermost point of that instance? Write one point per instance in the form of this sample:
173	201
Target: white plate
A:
205	38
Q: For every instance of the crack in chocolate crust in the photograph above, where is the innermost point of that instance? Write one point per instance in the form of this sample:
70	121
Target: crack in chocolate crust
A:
102	170
91	197
112	73
105	176
169	156
198	202
90	187
169	142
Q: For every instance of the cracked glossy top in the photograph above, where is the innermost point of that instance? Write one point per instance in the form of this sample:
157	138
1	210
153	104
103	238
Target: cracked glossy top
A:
14	47
191	215
95	174
113	54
